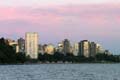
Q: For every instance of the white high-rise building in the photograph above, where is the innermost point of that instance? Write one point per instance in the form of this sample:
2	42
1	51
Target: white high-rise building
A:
84	48
31	44
76	49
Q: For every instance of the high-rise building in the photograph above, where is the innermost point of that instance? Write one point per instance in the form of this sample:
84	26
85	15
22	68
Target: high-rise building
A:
31	44
67	46
76	49
84	48
21	44
93	49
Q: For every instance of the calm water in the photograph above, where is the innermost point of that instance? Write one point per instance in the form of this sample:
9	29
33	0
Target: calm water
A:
60	72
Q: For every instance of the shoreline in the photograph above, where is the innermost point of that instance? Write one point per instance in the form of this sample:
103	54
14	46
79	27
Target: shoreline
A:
62	63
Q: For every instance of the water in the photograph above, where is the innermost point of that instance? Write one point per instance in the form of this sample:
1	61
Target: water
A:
60	72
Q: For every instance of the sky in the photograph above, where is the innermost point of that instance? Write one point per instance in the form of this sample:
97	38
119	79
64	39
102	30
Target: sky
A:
55	20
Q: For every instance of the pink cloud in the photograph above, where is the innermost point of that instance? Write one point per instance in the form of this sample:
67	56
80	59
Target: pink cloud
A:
95	14
7	13
97	17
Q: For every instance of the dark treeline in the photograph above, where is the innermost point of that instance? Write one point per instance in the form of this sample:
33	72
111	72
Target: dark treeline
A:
9	56
58	57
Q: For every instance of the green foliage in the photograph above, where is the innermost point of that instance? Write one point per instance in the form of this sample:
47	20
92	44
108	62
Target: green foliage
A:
8	54
69	57
106	57
21	57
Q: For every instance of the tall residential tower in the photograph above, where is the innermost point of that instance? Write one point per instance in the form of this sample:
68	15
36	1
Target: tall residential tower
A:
66	45
31	44
84	48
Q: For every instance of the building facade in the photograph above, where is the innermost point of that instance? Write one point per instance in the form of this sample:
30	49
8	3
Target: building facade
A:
99	49
14	44
84	48
40	49
31	45
60	47
50	49
93	49
66	46
21	44
75	49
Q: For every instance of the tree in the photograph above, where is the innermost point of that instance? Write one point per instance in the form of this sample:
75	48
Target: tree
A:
7	54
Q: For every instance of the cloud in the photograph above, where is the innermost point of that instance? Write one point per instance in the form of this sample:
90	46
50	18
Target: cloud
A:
97	17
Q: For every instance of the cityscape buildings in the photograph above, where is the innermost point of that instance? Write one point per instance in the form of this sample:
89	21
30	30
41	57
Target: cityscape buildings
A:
49	49
84	48
14	44
21	44
99	48
31	45
66	46
75	49
40	49
93	49
60	47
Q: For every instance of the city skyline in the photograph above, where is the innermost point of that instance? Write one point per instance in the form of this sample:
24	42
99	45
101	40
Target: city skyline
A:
32	48
95	20
30	45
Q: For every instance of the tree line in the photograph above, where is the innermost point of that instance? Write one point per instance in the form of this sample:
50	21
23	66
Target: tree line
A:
58	57
8	54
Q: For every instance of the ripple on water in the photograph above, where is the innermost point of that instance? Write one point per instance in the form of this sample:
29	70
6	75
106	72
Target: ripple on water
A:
60	72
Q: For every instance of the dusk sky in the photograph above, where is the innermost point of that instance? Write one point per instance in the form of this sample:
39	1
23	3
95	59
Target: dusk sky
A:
55	20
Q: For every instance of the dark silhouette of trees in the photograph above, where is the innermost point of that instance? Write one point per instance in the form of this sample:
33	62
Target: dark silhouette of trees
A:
8	54
69	57
107	57
21	57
